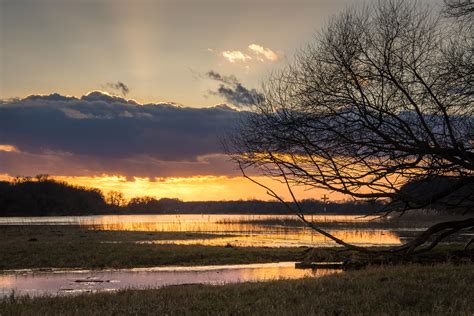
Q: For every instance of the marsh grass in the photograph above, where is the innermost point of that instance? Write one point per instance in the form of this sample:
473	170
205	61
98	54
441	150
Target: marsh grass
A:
441	289
47	246
407	221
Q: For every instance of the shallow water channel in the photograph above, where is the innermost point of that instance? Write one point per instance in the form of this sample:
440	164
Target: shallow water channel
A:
57	282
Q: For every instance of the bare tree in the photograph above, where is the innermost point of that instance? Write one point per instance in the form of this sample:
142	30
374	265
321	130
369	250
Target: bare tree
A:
115	199
459	8
383	100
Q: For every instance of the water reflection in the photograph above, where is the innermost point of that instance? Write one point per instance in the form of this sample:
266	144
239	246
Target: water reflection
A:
246	230
296	238
91	281
178	219
243	230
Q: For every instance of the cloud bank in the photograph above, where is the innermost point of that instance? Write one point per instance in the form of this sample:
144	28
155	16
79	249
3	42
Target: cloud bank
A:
100	133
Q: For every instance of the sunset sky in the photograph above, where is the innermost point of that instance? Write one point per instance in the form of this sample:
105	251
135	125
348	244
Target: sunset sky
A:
136	95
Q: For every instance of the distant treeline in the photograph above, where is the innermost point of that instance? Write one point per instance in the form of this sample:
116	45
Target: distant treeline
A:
151	205
42	196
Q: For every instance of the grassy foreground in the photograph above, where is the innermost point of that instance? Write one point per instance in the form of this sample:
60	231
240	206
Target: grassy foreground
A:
44	246
442	289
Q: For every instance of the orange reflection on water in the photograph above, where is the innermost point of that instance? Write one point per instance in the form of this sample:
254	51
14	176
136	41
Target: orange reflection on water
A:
368	237
63	282
205	223
6	281
294	239
279	273
245	230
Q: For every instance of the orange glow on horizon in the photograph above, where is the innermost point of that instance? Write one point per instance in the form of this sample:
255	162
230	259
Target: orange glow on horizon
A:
198	188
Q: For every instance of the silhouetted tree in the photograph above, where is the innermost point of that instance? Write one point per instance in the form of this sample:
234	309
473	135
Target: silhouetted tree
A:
115	199
42	177
384	98
151	205
43	196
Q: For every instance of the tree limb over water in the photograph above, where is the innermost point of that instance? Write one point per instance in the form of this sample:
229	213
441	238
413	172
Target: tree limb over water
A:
380	107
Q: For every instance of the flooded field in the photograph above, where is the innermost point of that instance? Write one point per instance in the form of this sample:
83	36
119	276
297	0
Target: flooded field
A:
269	231
243	230
86	281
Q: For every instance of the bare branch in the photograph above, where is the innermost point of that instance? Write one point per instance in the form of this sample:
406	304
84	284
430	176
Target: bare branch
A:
380	104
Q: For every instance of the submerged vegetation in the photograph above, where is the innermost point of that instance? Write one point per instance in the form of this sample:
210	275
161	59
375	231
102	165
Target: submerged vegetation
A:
408	290
415	220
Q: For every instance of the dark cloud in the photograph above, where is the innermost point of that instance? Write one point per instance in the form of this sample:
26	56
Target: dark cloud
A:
233	91
231	80
102	131
118	86
66	164
238	95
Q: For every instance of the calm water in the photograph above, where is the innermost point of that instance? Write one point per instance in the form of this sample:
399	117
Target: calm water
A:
74	282
234	230
241	230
